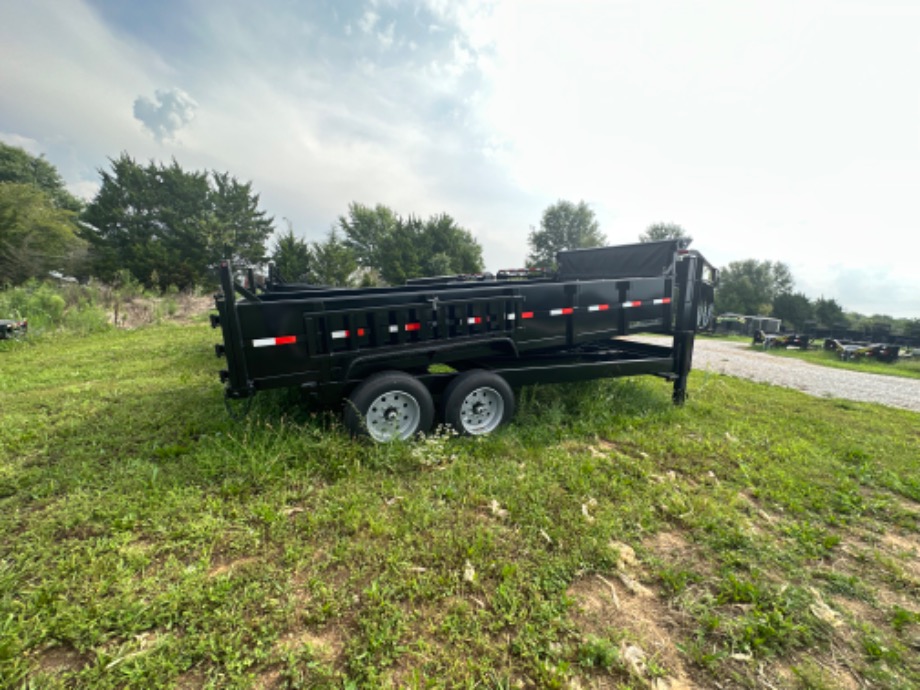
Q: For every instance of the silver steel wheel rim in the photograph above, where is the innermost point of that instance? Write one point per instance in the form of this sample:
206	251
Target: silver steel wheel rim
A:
482	411
393	415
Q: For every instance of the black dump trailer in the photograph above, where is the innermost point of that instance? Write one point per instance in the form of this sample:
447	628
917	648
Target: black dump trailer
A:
455	348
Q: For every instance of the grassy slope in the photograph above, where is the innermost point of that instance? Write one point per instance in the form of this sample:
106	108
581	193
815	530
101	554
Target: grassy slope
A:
149	541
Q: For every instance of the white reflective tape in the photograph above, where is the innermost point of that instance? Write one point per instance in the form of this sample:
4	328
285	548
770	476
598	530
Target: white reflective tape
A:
511	317
666	300
599	307
263	342
339	334
394	329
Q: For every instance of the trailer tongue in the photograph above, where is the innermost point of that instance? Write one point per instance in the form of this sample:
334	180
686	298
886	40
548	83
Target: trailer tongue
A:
372	350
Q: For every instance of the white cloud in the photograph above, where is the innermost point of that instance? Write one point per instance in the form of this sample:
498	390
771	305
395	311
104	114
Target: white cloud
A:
172	110
28	144
368	21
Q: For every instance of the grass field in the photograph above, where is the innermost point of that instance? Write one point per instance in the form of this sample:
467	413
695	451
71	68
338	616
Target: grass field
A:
755	538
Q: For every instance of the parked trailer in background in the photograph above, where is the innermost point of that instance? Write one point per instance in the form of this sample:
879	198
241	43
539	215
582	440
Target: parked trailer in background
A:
372	351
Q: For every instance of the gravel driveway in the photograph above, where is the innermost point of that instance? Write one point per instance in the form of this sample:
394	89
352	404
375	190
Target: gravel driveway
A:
738	359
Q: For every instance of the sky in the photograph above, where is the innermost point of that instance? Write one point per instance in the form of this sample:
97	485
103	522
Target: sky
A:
785	131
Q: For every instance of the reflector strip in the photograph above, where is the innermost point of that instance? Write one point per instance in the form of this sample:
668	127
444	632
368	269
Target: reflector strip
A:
665	300
599	307
347	334
510	317
472	320
561	312
269	342
394	329
413	327
627	305
527	315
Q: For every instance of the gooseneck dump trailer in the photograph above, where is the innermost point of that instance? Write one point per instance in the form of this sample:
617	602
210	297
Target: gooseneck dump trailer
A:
373	351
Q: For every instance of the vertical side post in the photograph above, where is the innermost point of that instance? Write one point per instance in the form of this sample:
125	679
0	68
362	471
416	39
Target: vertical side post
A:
685	328
238	374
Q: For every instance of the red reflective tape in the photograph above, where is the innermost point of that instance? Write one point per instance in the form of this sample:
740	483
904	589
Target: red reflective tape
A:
473	320
360	332
568	310
268	342
637	303
561	312
664	300
413	326
527	315
599	307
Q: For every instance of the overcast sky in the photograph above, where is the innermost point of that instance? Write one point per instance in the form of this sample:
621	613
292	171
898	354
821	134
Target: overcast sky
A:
781	130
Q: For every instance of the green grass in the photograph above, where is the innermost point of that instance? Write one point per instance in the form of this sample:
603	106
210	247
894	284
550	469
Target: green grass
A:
905	367
150	541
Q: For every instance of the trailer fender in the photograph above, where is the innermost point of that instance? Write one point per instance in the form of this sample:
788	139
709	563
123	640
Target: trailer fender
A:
363	365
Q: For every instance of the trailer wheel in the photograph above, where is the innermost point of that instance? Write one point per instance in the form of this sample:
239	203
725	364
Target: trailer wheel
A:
477	402
388	406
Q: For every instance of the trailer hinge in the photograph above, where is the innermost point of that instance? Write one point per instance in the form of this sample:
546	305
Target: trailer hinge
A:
224	375
215	320
219	350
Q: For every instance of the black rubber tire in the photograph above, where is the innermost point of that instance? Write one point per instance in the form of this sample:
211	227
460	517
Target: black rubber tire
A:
477	389
389	396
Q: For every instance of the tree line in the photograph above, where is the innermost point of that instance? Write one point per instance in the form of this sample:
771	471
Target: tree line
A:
169	227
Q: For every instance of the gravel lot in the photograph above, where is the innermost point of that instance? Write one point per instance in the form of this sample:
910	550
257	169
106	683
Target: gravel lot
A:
737	359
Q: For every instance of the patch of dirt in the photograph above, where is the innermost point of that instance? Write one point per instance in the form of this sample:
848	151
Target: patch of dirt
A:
61	659
906	548
270	678
606	607
326	644
192	679
222	567
821	671
674	549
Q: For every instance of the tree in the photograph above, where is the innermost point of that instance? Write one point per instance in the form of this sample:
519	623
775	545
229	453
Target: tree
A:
365	228
828	312
292	256
400	248
564	225
19	166
750	286
333	262
171	227
794	308
664	231
36	236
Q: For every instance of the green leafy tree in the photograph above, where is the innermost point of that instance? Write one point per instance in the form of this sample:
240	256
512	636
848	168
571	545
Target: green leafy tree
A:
19	166
334	263
364	228
750	286
36	235
829	313
664	231
564	225
168	226
292	256
794	308
398	248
